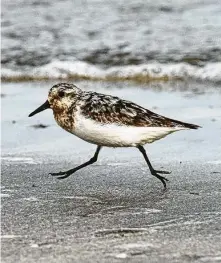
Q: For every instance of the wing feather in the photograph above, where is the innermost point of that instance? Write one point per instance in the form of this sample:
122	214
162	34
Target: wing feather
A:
109	109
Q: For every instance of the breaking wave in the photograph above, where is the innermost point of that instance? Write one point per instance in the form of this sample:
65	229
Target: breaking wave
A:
78	70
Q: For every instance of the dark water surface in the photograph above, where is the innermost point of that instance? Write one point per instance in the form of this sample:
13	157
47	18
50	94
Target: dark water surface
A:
101	38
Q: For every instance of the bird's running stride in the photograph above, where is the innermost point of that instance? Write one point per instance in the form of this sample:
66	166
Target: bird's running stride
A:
108	121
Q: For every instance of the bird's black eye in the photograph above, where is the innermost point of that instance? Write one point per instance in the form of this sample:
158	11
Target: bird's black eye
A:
61	94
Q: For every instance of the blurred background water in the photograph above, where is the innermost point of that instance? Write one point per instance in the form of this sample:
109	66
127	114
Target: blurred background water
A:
115	38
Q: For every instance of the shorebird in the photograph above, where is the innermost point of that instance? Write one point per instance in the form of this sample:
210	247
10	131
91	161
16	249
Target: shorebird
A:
108	121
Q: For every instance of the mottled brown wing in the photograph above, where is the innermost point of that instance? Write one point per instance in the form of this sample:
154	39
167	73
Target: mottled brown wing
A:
108	109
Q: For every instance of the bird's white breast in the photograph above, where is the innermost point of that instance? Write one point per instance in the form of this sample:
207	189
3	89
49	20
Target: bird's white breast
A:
114	135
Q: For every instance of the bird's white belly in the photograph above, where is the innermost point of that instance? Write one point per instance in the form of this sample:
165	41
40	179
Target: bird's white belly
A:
113	135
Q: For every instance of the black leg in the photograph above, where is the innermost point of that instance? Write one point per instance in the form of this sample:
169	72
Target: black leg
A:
154	172
71	171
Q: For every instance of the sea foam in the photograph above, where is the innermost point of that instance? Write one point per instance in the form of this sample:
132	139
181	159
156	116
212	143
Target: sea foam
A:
144	72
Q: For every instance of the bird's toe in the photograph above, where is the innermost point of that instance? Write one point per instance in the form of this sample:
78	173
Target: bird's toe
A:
162	172
57	174
160	177
64	176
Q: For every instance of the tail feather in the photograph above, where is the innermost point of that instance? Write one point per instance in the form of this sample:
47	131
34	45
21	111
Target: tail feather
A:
191	126
185	124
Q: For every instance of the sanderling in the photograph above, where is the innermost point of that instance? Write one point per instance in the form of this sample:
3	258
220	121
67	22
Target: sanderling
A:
108	121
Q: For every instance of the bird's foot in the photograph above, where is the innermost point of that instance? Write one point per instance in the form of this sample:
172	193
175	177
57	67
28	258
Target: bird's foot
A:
161	178
56	174
64	174
162	172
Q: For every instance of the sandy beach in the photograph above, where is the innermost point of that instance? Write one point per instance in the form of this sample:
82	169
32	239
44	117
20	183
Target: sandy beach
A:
113	211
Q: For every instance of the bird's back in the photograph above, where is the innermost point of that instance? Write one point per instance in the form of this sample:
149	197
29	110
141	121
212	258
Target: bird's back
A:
109	109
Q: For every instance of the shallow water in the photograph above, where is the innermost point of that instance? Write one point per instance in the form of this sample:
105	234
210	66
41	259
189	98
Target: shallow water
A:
50	39
191	102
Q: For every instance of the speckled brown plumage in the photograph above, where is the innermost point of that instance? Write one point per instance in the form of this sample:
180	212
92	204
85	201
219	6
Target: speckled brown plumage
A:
109	109
64	113
104	109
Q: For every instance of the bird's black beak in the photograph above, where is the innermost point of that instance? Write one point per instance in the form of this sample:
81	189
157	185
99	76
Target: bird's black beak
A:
44	106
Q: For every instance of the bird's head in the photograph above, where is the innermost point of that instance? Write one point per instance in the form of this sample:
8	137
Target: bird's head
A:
60	98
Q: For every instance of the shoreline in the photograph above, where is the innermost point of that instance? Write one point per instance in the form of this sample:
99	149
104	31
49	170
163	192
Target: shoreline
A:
141	73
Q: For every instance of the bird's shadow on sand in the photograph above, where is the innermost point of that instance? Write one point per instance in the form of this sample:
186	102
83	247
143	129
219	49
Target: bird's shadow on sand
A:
109	202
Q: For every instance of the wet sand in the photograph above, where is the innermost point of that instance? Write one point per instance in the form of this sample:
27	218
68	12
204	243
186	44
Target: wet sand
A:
115	210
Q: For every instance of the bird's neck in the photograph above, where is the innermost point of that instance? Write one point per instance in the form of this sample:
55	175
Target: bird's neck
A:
65	120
